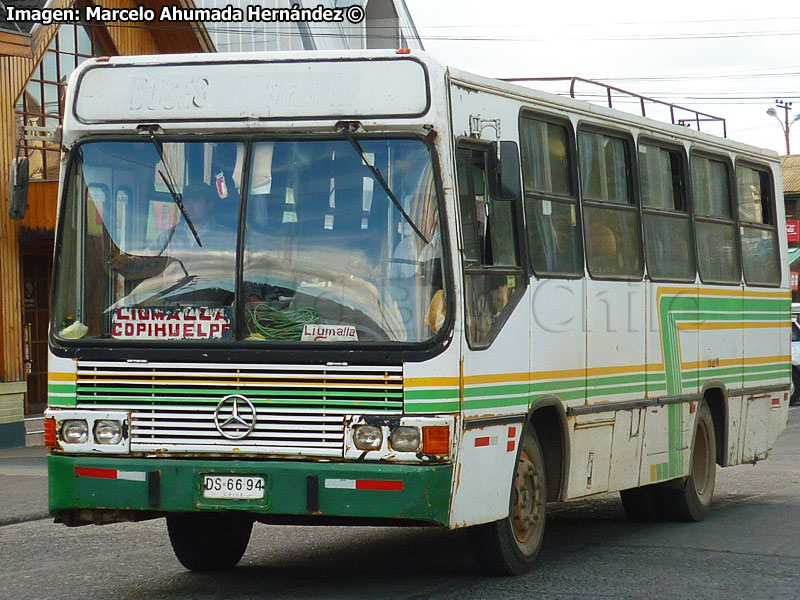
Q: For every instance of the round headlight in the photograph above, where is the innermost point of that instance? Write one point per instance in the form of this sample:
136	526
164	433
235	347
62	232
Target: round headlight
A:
405	439
368	437
75	431
108	432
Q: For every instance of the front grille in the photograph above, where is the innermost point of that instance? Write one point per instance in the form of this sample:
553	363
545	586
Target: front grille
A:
300	409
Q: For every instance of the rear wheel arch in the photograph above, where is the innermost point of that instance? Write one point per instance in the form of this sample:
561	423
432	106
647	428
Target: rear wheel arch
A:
716	398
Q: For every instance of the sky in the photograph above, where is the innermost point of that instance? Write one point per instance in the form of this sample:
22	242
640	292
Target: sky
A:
727	59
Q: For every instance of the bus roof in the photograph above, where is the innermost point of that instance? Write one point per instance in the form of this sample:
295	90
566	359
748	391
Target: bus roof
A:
390	87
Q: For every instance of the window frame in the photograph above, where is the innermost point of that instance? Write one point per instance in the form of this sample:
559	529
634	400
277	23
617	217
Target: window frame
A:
732	198
574	180
633	193
649	140
472	268
759	168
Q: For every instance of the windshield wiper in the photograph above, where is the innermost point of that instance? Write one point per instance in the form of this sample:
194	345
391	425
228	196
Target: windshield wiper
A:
379	178
169	182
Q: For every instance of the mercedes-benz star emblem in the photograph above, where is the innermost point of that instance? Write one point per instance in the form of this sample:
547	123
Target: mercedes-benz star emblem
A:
241	420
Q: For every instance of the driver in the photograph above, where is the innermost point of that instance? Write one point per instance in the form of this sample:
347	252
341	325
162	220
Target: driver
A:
199	201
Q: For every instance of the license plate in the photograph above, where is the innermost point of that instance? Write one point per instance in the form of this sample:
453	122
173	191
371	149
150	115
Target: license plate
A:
233	487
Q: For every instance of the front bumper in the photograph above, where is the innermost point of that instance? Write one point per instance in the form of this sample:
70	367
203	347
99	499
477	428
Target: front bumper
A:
326	489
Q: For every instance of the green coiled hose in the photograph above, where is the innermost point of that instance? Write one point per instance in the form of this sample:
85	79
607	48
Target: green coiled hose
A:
273	324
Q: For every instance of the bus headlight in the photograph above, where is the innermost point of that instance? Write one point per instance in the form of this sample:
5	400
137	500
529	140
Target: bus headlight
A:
108	432
405	439
75	431
368	437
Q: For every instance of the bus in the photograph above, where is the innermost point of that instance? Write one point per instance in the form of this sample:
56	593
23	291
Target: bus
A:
366	288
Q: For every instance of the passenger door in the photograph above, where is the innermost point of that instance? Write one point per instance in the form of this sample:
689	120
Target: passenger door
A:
495	385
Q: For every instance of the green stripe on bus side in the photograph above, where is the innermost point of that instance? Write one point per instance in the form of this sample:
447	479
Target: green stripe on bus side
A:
515	395
739	316
737	377
563	385
131	391
715	372
431	394
671	355
61	400
429	407
699	308
61	388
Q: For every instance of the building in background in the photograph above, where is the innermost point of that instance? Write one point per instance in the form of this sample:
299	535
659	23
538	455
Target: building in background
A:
387	24
35	62
790	169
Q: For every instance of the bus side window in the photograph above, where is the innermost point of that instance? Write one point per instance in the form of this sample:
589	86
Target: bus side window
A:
715	227
759	235
667	223
492	272
611	219
551	204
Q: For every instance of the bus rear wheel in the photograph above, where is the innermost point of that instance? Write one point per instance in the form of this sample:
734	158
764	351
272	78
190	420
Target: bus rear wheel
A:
689	498
209	542
510	546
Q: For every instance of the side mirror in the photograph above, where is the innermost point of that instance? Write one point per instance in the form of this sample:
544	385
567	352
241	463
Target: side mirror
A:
18	189
505	171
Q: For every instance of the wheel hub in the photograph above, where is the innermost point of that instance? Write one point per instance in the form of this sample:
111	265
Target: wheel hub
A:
525	508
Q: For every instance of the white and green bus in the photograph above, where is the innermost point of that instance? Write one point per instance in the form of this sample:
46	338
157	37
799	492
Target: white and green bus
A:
365	288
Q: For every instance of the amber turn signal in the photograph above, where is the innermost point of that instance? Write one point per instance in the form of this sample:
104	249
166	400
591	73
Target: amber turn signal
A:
50	433
436	439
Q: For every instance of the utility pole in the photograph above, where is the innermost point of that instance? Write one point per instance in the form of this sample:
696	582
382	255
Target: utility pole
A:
786	124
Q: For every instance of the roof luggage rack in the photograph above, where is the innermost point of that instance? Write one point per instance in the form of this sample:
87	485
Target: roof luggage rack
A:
693	119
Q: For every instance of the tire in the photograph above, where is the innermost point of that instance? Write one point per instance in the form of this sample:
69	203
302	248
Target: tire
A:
795	398
643	503
209	542
689	498
510	546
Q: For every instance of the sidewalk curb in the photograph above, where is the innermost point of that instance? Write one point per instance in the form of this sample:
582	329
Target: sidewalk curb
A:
25	518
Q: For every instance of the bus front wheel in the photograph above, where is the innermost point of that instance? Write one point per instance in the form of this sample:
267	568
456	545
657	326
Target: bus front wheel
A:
689	498
209	541
510	546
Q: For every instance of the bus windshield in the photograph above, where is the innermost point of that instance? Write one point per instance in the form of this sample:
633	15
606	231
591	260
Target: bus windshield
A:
152	246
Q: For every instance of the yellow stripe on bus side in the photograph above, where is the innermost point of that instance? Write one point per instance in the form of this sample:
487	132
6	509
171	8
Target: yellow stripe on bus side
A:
419	382
71	377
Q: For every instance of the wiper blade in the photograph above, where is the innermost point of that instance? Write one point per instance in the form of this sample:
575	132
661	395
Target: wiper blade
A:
379	178
169	182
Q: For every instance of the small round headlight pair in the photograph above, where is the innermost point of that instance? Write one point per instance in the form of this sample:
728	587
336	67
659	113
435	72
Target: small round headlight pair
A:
106	431
402	439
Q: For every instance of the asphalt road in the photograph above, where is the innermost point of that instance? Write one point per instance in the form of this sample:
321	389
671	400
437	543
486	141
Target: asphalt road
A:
748	547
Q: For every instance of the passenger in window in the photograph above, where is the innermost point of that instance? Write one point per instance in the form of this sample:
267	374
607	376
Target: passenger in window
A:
603	250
